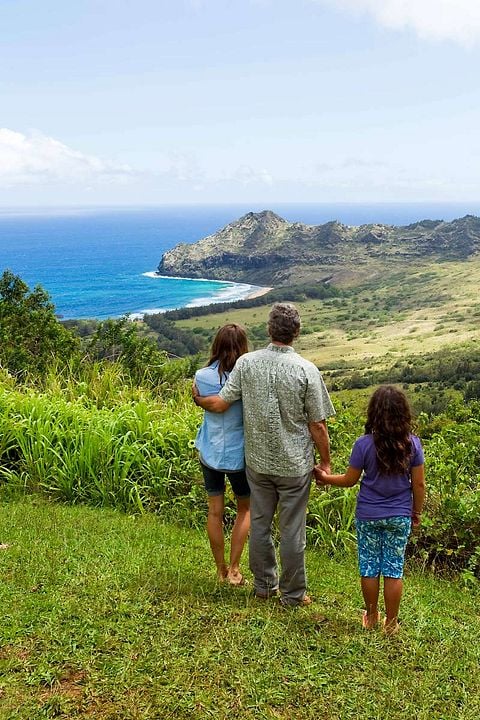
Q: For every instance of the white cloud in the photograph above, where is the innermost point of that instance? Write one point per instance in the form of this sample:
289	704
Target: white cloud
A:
182	167
35	158
457	20
246	175
359	180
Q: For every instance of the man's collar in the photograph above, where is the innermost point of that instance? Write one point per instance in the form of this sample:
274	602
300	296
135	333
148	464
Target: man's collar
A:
280	348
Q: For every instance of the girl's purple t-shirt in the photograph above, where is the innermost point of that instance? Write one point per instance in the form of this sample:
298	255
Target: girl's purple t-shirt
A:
382	496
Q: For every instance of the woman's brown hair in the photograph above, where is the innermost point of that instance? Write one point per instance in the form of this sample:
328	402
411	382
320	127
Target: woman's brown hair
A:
228	344
389	419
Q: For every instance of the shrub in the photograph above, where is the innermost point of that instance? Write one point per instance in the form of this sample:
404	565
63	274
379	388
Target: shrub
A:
31	338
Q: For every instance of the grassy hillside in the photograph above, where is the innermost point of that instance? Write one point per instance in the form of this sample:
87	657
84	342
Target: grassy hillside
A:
117	617
380	321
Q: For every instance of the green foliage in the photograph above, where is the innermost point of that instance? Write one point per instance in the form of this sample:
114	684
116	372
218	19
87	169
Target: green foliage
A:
82	328
294	293
135	455
457	367
173	339
154	329
31	338
331	511
451	529
472	390
103	440
116	427
120	341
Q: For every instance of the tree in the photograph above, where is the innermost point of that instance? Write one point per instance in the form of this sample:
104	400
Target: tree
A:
31	337
120	341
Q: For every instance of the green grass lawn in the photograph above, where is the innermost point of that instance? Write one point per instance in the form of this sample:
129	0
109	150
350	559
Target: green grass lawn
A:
105	615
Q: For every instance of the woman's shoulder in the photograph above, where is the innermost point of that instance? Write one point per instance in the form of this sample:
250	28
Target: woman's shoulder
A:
207	371
208	380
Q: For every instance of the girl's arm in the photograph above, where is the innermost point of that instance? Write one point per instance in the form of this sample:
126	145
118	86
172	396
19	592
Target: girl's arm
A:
418	491
348	479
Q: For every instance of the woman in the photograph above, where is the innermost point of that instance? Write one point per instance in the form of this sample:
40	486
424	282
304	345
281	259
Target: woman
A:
220	445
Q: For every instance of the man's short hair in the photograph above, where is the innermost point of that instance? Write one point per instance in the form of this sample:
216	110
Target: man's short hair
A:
283	323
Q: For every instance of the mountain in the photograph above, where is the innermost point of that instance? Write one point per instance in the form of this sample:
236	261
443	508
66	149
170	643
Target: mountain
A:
264	249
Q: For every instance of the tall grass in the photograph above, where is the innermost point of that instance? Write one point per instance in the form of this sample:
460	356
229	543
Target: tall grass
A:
331	511
116	448
97	437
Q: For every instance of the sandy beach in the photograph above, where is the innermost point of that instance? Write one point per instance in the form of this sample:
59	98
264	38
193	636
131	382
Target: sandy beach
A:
258	292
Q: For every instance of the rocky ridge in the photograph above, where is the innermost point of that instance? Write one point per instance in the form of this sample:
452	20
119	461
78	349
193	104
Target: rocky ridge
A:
264	249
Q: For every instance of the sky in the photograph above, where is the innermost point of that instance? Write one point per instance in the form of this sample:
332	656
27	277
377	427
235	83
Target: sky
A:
122	102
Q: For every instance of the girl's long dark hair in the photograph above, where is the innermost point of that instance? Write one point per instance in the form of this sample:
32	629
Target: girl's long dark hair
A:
389	419
228	344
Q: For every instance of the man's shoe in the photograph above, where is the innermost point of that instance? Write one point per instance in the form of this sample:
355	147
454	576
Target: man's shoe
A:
265	595
306	600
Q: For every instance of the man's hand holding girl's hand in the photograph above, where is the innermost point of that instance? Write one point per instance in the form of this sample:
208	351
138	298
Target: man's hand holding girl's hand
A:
320	471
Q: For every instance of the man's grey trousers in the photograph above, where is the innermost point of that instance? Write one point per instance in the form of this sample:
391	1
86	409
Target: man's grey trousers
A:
291	495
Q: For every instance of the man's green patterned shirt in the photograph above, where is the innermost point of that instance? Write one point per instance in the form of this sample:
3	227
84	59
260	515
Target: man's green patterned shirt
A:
281	393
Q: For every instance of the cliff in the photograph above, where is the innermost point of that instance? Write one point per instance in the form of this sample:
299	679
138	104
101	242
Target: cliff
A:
264	249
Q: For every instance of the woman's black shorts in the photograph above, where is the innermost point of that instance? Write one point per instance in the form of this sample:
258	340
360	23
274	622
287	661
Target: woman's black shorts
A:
215	481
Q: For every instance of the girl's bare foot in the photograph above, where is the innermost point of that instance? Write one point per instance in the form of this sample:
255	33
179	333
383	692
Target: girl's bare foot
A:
369	621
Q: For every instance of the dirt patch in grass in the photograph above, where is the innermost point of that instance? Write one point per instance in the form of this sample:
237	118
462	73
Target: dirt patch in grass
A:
70	685
11	652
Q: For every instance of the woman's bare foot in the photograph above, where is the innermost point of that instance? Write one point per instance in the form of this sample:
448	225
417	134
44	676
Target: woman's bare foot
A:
391	627
222	573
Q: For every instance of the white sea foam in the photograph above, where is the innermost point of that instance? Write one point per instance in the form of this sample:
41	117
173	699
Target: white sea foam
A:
230	293
155	275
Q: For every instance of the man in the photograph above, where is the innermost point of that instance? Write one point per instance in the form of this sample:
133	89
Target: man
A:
285	404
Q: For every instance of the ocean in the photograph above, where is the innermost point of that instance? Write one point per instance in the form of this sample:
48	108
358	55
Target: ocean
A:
101	262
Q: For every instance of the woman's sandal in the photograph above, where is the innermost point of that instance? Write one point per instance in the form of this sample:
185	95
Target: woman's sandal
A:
365	623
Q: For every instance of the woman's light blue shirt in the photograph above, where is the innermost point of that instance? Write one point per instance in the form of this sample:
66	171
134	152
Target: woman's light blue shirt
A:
220	437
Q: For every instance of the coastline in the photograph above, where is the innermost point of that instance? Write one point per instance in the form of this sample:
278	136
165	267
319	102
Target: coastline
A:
94	268
229	291
258	293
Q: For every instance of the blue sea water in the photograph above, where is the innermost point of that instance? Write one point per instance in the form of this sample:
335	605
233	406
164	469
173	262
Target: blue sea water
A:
99	263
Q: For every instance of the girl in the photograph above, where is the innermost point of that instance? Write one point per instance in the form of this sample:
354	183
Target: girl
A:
390	499
220	445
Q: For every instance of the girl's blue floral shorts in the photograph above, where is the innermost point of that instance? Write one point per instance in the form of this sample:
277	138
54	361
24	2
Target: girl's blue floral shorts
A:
381	546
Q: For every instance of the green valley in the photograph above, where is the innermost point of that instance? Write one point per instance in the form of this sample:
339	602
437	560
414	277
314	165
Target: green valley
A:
372	326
